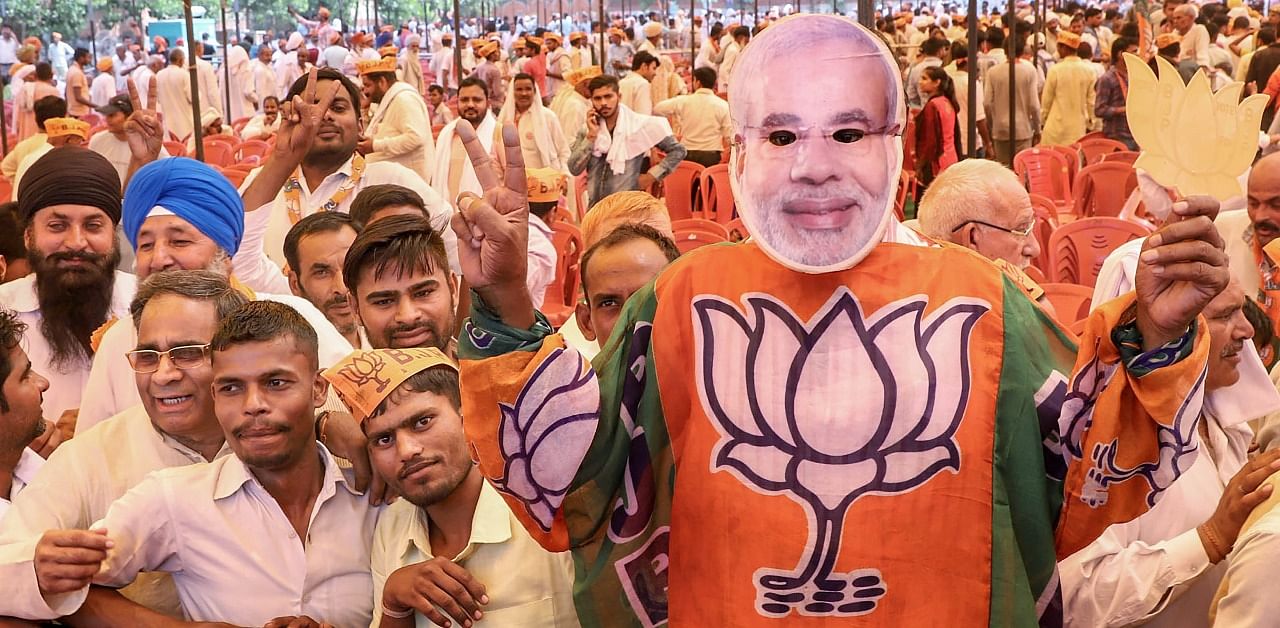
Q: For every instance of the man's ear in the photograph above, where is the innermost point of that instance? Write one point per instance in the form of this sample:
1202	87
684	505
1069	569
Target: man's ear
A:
583	319
294	286
4	268
320	390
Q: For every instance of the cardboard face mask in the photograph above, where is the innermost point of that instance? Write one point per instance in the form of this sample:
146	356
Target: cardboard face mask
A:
817	150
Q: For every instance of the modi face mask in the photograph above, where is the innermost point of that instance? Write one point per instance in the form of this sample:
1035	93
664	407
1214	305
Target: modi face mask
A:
817	153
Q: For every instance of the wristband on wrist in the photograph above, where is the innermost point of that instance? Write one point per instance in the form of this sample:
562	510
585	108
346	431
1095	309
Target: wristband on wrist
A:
396	614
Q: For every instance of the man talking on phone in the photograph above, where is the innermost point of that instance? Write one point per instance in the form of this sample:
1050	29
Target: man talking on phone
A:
615	145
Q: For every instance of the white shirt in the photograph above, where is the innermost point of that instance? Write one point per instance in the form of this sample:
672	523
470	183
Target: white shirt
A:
29	463
116	151
1154	569
173	90
961	82
541	269
76	486
233	554
1195	45
703	117
102	89
111	385
264	81
65	383
8	50
142	78
1250	600
731	54
266	228
31	158
636	93
258	125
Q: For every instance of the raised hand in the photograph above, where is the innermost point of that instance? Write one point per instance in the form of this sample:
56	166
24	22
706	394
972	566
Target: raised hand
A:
144	130
1182	267
300	120
67	560
493	230
433	586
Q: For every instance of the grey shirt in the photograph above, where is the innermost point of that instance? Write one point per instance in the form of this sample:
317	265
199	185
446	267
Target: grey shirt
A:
601	181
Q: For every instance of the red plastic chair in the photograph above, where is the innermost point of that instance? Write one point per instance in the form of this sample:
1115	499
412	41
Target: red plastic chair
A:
695	232
93	119
229	140
1094	148
1046	224
176	149
1102	189
737	230
238	125
1047	172
252	148
1079	248
1072	302
680	188
1035	274
1073	158
6	190
562	294
235	176
218	153
1092	135
1123	156
580	189
717	196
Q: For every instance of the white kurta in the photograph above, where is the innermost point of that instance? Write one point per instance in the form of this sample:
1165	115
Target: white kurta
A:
401	130
173	89
210	95
264	82
241	88
102	89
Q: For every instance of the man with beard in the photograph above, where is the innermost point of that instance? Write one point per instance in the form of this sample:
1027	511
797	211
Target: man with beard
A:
315	167
399	129
453	172
541	139
239	535
398	275
717	404
1250	235
450	549
21	390
69	204
315	249
614	147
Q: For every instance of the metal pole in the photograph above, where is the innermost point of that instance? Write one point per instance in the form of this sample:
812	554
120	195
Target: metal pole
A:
226	67
971	69
693	34
236	13
867	13
458	42
93	35
604	61
1013	81
377	21
560	23
195	80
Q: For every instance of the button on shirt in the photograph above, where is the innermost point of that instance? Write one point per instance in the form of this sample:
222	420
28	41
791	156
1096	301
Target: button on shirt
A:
527	585
65	382
74	488
703	117
233	554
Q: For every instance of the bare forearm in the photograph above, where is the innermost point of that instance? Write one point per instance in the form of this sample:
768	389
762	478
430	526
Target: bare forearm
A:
106	608
267	184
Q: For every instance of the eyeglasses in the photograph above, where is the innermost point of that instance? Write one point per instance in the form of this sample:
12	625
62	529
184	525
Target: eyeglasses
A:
1021	233
184	357
782	142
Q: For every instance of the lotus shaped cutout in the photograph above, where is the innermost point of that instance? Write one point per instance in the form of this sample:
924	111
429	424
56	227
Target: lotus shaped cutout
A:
830	410
365	368
1192	139
546	432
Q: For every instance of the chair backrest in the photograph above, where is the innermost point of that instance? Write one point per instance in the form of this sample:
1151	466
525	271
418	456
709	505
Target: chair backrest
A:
695	232
6	190
218	153
229	140
1046	224
580	189
1046	172
1101	189
717	196
909	145
238	125
1078	249
900	196
235	176
563	290
679	189
175	149
737	230
1073	158
1123	156
1092	135
252	148
1071	301
1094	148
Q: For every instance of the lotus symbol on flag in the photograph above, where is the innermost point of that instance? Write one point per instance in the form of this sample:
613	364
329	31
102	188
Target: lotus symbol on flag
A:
827	411
1192	140
546	432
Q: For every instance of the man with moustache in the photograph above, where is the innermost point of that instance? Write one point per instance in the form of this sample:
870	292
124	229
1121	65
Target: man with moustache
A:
398	275
453	172
315	167
21	390
715	406
238	535
69	204
450	549
315	249
399	127
1251	235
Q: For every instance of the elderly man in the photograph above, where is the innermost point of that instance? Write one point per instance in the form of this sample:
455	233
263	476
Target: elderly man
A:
1195	37
741	369
316	167
410	66
237	534
69	204
399	128
1249	237
981	206
315	249
173	92
451	531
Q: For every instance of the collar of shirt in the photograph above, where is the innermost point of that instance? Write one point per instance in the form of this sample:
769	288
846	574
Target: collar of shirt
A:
490	524
705	91
235	475
336	177
29	464
20	294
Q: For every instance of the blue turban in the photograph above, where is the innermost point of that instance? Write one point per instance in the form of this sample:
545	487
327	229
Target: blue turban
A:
194	192
383	39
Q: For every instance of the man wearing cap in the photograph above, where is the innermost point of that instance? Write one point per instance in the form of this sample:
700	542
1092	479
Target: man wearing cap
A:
1068	98
113	143
320	27
399	130
546	187
289	66
488	73
542	141
571	105
334	54
535	62
442	65
79	101
580	52
60	132
703	117
44	109
239	534
558	64
619	53
410	66
173	91
263	77
69	202
103	87
450	549
1169	46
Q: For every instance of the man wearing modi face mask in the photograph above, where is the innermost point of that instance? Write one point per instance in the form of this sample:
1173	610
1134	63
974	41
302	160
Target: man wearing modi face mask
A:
827	384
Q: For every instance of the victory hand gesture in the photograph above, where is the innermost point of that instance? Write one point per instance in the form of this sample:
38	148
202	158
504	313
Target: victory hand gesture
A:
144	129
300	119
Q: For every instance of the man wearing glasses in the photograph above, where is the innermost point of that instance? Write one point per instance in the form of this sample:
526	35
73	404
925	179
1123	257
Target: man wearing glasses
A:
979	204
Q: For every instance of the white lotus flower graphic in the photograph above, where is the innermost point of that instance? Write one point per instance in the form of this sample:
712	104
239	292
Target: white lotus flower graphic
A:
827	411
546	433
1192	139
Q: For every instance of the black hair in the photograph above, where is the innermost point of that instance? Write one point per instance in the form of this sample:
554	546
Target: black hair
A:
12	246
604	80
994	36
49	107
742	31
272	99
81	52
327	74
933	47
44	71
1267	35
472	81
626	233
438	380
705	77
1084	51
319	222
1263	330
1091	12
946	86
521	76
435	88
197	285
264	321
402	243
376	197
641	59
11	332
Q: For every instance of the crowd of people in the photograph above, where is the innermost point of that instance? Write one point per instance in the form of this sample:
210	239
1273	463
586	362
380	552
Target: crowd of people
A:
329	395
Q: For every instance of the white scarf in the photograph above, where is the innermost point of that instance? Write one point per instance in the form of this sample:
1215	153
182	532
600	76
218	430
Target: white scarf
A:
444	155
397	89
542	119
636	134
